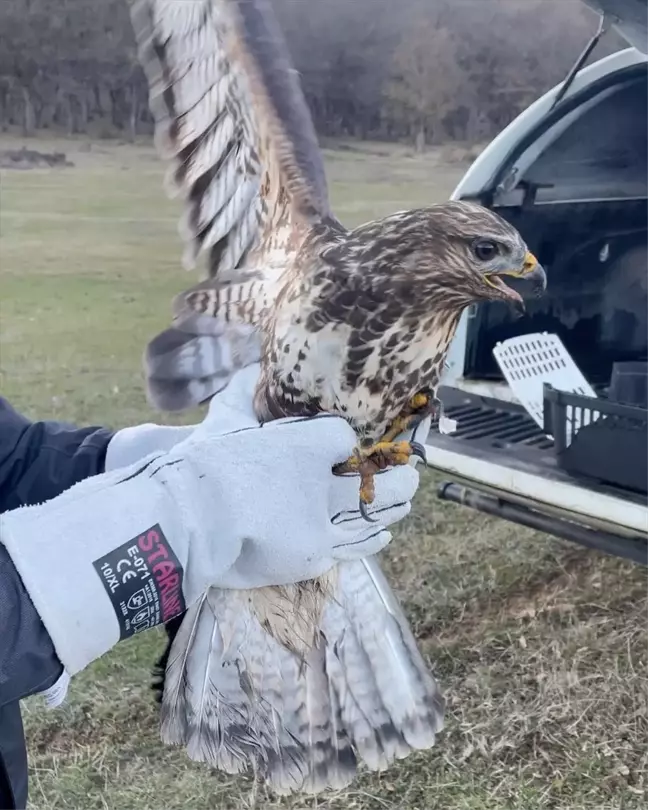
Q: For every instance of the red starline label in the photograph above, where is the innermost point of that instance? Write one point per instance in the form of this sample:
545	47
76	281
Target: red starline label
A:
143	580
165	568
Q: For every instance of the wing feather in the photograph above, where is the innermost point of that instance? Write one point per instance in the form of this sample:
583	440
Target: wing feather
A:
232	122
231	119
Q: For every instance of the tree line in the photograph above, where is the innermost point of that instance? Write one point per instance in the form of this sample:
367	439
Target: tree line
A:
424	70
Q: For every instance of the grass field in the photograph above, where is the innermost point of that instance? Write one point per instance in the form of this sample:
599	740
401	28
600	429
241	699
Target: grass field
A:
540	646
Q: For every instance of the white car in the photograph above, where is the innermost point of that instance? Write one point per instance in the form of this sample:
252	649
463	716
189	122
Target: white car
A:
571	173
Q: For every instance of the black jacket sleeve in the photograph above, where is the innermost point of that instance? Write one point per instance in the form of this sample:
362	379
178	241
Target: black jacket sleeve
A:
38	461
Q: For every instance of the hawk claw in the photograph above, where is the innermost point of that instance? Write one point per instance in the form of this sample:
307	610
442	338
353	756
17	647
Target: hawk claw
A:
365	514
371	460
418	450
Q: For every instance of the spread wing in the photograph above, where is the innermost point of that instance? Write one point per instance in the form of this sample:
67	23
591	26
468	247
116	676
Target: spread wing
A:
232	121
231	118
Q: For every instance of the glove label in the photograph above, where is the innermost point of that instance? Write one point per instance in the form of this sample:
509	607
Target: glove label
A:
143	580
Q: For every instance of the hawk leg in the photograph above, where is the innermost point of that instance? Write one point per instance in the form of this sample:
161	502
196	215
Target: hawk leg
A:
418	407
367	461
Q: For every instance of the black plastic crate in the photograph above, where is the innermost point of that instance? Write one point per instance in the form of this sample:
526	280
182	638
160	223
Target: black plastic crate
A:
598	438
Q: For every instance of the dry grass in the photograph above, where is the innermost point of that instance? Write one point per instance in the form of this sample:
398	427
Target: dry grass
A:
540	646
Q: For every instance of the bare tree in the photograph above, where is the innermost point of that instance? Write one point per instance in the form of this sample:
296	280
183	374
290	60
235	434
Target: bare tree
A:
427	81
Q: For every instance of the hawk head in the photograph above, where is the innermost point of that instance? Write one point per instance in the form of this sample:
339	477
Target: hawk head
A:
454	253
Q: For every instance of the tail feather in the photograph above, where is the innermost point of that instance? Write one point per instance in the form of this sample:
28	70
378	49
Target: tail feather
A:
171	629
329	760
392	704
227	698
239	699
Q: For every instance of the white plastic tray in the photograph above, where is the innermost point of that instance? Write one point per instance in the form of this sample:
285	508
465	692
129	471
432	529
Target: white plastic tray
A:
529	361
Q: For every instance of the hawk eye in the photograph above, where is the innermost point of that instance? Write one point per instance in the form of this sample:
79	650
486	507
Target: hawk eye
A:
485	250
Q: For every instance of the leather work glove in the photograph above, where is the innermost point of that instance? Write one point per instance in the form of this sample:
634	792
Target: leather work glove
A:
235	505
135	443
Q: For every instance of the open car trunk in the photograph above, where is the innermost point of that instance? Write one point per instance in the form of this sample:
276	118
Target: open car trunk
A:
581	205
571	173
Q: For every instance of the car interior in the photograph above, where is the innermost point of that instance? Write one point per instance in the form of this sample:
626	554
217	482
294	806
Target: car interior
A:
582	208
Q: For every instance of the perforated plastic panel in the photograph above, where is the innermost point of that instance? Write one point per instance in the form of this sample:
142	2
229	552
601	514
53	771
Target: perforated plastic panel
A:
529	361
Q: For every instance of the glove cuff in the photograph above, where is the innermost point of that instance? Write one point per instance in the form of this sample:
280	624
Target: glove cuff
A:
97	563
133	444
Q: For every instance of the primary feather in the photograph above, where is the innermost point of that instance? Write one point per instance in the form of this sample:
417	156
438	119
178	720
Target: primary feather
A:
300	683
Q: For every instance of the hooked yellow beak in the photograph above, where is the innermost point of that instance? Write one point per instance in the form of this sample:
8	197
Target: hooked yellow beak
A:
530	262
530	266
531	271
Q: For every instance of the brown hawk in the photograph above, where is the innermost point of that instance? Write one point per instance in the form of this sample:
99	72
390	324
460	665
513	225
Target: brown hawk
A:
299	683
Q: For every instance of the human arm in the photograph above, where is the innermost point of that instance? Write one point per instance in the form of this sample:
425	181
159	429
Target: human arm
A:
38	461
28	660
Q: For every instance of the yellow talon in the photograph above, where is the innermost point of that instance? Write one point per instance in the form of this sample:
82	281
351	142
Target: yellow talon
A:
419	401
367	489
393	452
368	461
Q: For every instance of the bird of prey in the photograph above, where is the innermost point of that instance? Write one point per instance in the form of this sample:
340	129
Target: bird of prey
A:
304	683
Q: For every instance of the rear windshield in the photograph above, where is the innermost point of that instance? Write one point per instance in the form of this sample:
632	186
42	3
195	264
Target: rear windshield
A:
602	155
